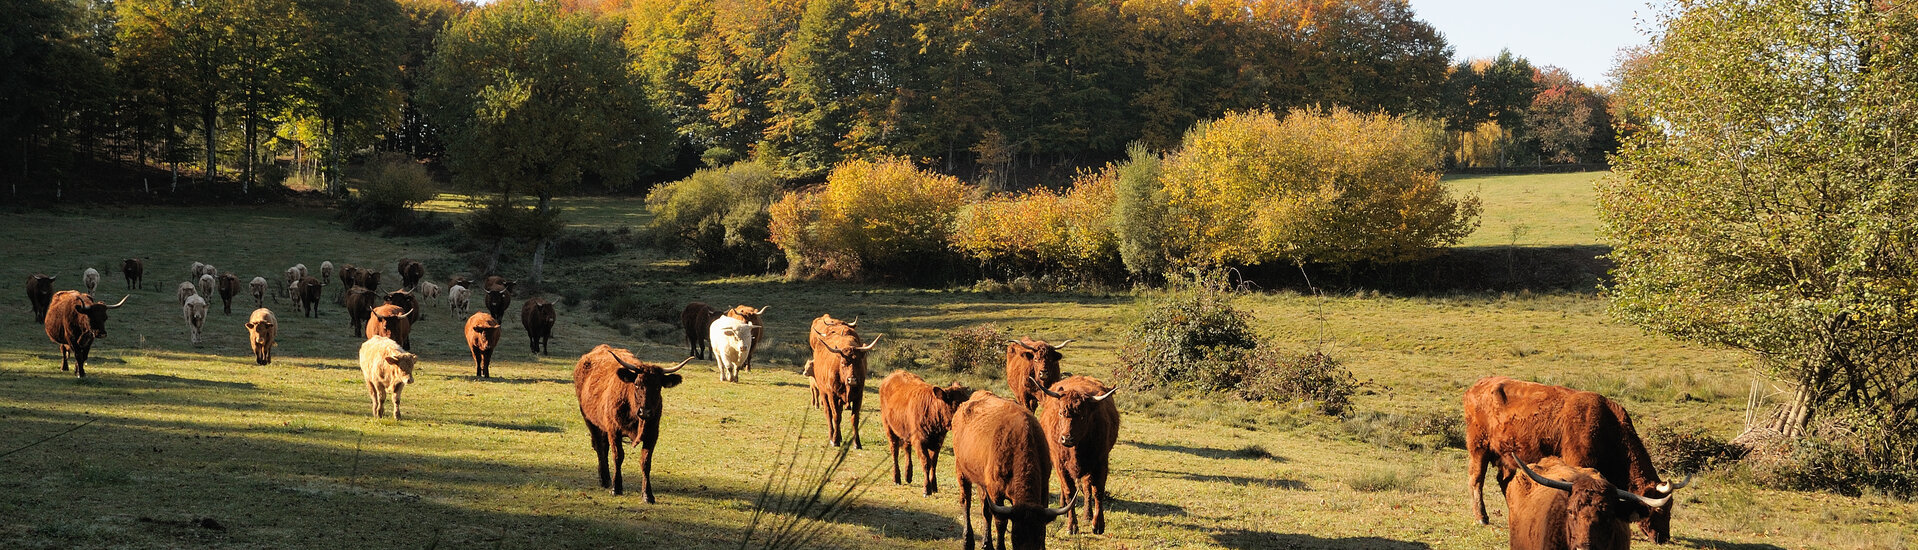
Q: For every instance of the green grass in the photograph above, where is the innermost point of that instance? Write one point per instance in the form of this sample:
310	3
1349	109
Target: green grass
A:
1533	209
286	455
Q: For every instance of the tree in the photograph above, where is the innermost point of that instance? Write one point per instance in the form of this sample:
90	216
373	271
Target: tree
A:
1568	121
1768	205
349	56
48	76
532	100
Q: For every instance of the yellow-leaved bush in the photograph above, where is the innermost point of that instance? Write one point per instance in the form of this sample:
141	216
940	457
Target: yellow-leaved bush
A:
1044	231
871	218
1314	186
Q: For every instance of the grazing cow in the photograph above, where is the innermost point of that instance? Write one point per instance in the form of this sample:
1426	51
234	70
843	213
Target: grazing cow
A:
205	287
917	416
185	290
134	270
40	295
697	318
1565	507
91	279
997	445
258	287
406	301
411	272
1081	422
538	316
499	294
430	291
388	368
457	298
261	328
619	397
1509	420
359	306
732	340
750	315
390	321
1031	367
194	312
309	291
482	337
349	276
73	322
229	286
839	376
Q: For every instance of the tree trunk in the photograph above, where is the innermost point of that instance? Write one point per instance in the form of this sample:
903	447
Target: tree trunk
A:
539	250
1795	415
492	260
208	117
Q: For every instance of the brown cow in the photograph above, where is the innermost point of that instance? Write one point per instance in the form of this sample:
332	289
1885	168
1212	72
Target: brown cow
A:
538	316
359	306
997	445
619	396
368	279
40	295
349	275
1506	418
390	321
749	315
482	337
406	301
1031	367
1565	507
73	322
696	319
917	416
499	294
229	286
411	272
261	328
307	294
839	377
134	270
1081	422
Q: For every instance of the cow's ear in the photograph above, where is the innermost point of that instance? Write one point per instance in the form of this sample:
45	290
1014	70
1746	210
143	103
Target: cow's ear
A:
670	380
628	374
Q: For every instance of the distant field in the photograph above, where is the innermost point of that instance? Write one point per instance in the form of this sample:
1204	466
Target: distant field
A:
286	455
1533	209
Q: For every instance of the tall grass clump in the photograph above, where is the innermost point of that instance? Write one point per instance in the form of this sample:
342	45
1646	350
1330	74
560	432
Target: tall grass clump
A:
804	493
974	349
720	215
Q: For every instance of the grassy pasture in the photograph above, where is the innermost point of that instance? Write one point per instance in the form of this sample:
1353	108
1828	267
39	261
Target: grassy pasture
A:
286	455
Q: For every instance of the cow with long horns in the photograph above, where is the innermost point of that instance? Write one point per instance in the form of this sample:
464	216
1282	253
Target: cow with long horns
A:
73	322
1081	421
998	447
619	397
1565	507
839	376
1031	367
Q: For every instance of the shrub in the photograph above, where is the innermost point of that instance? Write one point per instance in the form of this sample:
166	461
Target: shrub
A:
1315	186
882	217
393	180
1414	431
579	244
1271	375
720	214
1139	211
1682	449
1192	339
1043	231
976	349
899	356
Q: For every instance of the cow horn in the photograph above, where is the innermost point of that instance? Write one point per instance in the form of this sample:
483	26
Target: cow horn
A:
681	365
1542	480
1063	510
762	309
1062	345
1668	487
854	323
622	362
869	345
409	313
1054	394
1653	503
1020	344
123	301
1103	396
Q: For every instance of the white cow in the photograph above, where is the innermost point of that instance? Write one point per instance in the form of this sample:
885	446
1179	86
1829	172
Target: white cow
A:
456	298
732	339
258	286
206	285
194	311
91	278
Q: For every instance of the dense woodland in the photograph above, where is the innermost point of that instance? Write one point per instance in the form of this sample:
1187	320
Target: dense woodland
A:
245	93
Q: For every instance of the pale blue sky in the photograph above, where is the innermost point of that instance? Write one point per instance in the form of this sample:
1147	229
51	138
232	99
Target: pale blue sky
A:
1581	37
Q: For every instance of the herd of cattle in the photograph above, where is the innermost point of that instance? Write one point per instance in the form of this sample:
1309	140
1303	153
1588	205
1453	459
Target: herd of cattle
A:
1586	479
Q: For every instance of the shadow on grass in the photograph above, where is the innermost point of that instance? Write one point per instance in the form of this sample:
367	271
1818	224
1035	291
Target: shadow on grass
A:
509	380
1244	538
1275	483
1208	452
1722	545
539	428
1153	509
170	379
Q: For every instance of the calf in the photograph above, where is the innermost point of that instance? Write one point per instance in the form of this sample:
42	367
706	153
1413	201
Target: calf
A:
309	291
619	397
1566	507
538	316
1031	367
194	312
388	368
185	290
390	321
258	287
917	416
839	376
732	339
205	286
261	328
696	319
482	337
90	279
430	291
73	322
359	306
997	446
193	273
411	272
229	286
134	270
208	269
40	295
456	298
1081	422
499	294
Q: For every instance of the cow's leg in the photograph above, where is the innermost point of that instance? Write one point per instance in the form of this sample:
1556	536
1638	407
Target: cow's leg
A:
80	360
832	419
928	459
646	472
1095	486
66	351
396	400
374	392
965	507
892	447
600	450
1477	455
619	463
999	524
1068	486
858	396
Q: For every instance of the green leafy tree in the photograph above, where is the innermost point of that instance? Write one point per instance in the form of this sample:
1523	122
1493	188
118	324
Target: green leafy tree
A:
1769	206
50	75
533	99
348	60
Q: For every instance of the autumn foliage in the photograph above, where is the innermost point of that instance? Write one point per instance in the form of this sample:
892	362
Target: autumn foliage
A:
871	218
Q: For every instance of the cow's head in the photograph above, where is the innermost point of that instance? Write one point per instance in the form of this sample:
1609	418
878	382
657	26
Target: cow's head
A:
647	380
41	283
1658	526
1597	514
405	362
402	299
1029	521
953	394
394	317
1041	357
1074	407
370	279
846	345
96	312
129	264
482	322
498	295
